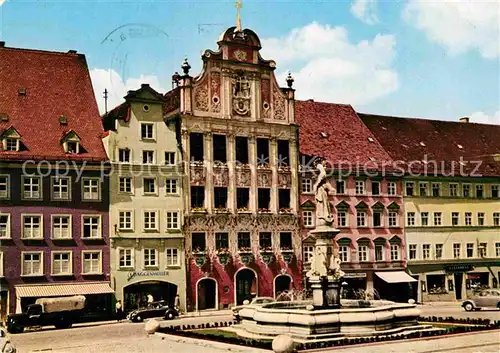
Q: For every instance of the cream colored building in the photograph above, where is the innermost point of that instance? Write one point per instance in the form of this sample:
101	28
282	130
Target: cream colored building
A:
452	235
146	204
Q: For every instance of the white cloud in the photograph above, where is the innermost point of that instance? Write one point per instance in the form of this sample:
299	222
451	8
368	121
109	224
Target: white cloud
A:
1	2
328	67
111	80
365	10
481	117
460	25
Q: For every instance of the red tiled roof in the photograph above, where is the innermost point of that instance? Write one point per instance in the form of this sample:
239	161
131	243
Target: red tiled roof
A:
446	142
172	100
56	84
335	132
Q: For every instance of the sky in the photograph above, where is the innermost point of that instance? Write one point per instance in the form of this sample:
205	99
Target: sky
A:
431	59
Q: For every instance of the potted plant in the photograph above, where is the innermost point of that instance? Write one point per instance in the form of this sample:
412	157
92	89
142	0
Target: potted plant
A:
264	210
263	165
221	210
199	210
243	210
285	210
196	163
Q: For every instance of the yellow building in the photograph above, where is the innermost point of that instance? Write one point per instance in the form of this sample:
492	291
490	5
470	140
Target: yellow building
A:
451	197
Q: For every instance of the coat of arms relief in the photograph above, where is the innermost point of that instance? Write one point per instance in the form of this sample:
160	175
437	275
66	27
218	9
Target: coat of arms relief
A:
241	94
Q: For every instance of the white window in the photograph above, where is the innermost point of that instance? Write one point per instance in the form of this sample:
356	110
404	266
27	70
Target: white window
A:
306	185
379	253
410	188
360	187
72	147
308	253
457	251
91	262
468	218
469	250
4	226
4	187
148	157
126	257
395	252
172	255
426	251
91	189
150	220
11	144
466	190
125	185
480	218
91	227
436	189
483	250
363	253
308	218
453	190
32	227
32	187
496	219
439	251
393	219
344	253
437	218
172	220
61	227
424	219
361	219
149	186
171	186
410	219
32	263
391	188
62	263
61	188
412	251
342	219
150	258
454	218
124	155
170	158
147	132
497	249
125	221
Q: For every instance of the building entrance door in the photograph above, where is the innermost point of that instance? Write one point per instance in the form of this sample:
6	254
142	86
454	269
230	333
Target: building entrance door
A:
245	286
207	294
458	285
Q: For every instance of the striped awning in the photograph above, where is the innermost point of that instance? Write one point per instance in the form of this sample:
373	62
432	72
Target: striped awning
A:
57	290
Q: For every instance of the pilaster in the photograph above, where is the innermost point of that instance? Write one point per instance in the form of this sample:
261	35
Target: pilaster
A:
273	156
208	161
231	192
252	160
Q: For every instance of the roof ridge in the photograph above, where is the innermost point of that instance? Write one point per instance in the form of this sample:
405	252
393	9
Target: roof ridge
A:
321	102
42	51
421	119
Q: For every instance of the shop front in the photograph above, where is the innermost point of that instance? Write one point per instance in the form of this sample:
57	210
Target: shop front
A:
98	297
397	286
354	285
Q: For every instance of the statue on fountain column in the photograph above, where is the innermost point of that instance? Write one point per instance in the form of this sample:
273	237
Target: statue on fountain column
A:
319	264
322	188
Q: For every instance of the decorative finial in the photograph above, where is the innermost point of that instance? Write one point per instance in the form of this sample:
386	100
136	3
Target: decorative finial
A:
175	79
289	80
238	5
185	66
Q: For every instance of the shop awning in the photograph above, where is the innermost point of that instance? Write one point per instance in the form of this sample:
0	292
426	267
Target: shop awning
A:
395	277
56	290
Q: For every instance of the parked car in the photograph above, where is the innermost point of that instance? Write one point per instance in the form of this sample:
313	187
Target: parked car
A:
256	302
155	309
487	298
5	344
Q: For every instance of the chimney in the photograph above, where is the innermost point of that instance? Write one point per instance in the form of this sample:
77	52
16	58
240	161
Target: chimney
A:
2	44
72	51
465	119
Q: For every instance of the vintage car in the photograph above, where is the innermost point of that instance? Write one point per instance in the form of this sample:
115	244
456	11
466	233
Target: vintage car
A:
487	298
257	301
155	309
5	344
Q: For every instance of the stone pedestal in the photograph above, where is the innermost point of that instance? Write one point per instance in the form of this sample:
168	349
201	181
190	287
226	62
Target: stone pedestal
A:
332	292
317	290
326	292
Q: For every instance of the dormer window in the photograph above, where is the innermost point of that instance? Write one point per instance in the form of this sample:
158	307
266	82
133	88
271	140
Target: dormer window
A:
71	143
72	147
11	144
11	140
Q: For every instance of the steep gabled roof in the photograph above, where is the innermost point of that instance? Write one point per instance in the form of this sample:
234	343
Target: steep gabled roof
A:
37	88
335	132
446	142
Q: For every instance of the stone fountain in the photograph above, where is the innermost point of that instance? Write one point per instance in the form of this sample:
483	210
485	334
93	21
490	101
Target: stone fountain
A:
327	317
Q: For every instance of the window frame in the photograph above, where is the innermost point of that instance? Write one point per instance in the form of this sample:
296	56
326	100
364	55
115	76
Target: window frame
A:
393	219
342	214
459	247
99	194
347	253
395	249
70	226
153	132
441	247
155	184
337	184
129	159
440	189
365	216
392	188
426	193
131	211
41	273
306	186
360	185
374	182
426	219
100	272
131	181
7	187
125	251
308	215
99	226
366	251
426	251
169	223
412	184
411	216
178	255
434	223
171	184
457	194
156	224
167	156
469	185
412	247
41	227
70	267
52	185
40	187
155	255
8	226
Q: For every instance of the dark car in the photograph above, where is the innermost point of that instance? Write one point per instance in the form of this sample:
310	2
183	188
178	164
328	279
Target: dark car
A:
155	309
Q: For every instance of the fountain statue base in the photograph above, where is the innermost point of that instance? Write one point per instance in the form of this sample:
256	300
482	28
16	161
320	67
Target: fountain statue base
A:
326	292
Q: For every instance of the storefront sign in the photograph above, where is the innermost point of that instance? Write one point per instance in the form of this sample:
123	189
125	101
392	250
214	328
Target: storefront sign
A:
355	275
459	268
134	274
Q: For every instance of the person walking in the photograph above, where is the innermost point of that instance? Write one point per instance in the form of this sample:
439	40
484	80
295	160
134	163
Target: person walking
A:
119	311
177	303
150	300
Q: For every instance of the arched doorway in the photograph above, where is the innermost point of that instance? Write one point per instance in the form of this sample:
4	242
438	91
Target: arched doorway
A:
246	285
282	283
207	294
135	295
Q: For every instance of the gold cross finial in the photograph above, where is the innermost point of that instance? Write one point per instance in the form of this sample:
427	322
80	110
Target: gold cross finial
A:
238	5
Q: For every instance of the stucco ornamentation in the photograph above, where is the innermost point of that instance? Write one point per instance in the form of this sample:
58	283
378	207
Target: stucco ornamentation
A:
197	176
284	180
243	177
264	178
221	176
201	99
241	94
279	105
215	91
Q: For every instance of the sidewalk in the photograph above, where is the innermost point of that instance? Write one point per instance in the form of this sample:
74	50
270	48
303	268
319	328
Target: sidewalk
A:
207	313
457	304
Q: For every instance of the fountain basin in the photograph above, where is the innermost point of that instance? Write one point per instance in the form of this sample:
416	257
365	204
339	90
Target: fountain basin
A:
295	320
